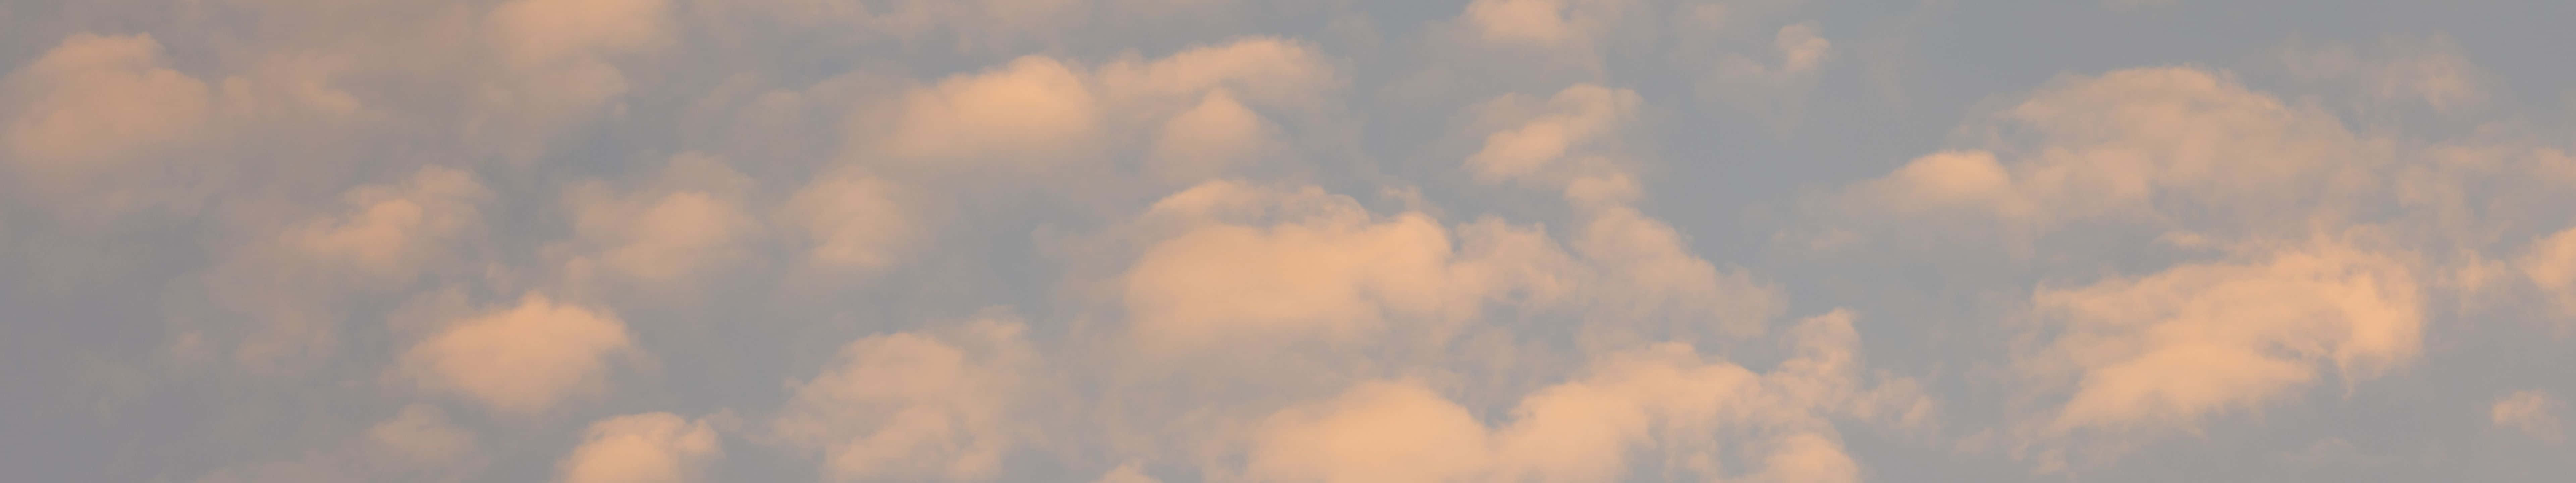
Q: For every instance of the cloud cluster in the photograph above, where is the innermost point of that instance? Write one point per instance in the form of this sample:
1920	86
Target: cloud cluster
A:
1267	241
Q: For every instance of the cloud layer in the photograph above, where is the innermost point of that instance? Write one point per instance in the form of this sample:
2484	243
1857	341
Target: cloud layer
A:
1282	241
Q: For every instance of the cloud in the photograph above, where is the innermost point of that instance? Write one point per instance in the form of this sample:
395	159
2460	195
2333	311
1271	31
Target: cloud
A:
2170	148
92	120
1773	84
393	231
2429	72
852	221
2168	350
915	405
421	434
295	278
1247	263
419	443
686	223
643	448
521	360
1554	141
2532	412
1376	431
1708	418
1195	114
1034	109
2551	266
561	60
1126	473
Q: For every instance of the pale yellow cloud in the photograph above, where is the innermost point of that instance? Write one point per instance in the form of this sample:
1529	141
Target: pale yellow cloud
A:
1248	264
293	278
686	223
521	360
1393	432
2167	351
2430	72
1540	22
561	66
421	434
2163	147
418	443
392	231
85	120
2532	412
1192	115
1707	418
1773	83
643	448
929	405
1554	142
1034	109
1216	134
1646	280
2550	264
852	220
1126	473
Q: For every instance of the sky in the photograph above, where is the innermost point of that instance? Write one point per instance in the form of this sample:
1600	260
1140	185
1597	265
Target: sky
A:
1333	241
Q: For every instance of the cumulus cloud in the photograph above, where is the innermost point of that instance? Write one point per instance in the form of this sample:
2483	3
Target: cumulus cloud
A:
2171	349
2551	266
852	221
689	221
1255	240
2532	412
418	443
524	359
1194	114
563	59
1326	269
2172	148
294	282
89	122
1708	418
1555	141
643	448
915	405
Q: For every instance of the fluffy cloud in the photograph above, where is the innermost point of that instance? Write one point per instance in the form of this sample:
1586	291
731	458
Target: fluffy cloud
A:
1558	140
384	238
1192	114
915	405
688	222
2168	350
2172	148
1325	269
524	359
852	221
419	443
89	123
1708	418
562	59
1035	109
2532	412
643	448
2551	266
